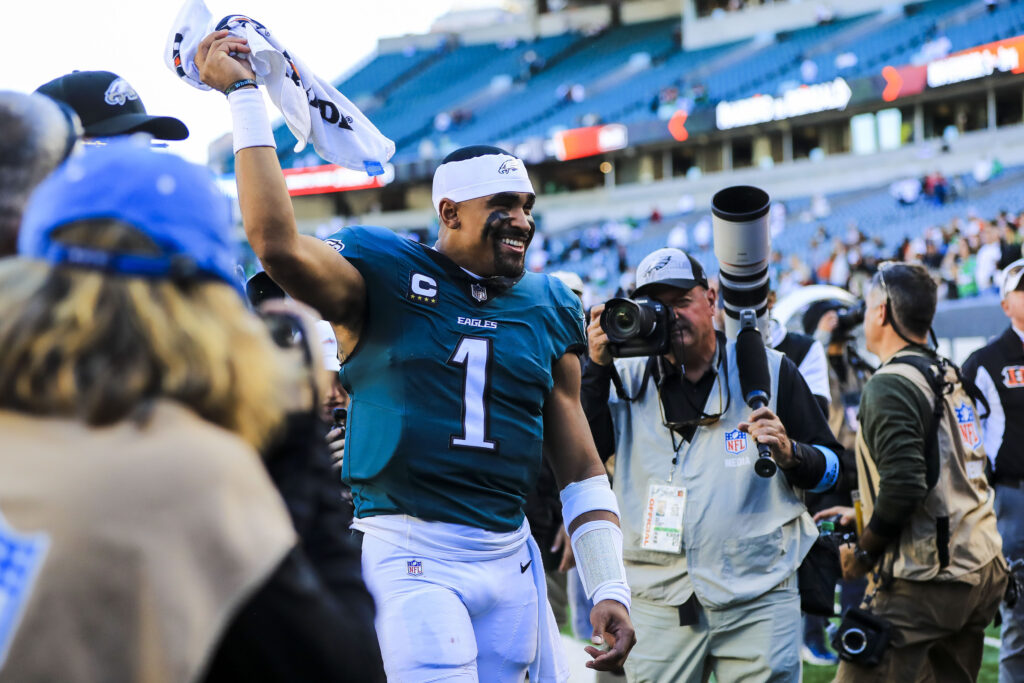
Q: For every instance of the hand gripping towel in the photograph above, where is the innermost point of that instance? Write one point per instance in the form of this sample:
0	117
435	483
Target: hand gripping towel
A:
313	109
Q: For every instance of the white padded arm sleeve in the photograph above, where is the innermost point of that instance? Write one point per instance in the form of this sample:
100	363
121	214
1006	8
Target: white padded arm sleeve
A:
597	544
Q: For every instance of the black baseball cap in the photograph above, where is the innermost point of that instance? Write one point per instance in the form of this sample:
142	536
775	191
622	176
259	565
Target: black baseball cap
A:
109	106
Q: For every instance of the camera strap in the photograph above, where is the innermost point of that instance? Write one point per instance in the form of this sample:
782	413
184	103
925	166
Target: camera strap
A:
620	390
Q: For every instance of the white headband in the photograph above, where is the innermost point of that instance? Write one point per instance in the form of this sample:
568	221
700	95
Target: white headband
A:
479	177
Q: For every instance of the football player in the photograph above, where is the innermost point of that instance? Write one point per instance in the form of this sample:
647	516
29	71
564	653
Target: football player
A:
462	369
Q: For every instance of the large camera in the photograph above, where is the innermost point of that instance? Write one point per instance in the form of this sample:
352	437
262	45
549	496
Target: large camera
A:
742	247
862	637
636	327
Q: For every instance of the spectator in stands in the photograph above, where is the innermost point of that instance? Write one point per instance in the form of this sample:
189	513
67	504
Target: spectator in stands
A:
936	186
989	255
678	237
964	265
35	136
136	390
996	369
1009	243
906	191
109	106
702	234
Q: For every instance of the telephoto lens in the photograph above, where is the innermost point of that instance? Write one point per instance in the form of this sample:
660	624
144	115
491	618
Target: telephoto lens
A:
742	247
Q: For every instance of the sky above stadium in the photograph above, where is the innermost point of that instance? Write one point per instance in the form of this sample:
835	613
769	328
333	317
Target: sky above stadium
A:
48	38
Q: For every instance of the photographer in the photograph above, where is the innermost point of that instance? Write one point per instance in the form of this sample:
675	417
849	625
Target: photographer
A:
711	549
929	531
832	323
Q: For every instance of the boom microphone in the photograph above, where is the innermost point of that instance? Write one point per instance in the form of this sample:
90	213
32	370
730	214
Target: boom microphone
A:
755	382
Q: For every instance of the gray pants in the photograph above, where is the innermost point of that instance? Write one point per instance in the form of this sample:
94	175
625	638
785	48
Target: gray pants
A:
756	641
1009	505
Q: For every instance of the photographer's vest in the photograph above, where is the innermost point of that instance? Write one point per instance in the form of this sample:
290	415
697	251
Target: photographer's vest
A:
953	531
742	535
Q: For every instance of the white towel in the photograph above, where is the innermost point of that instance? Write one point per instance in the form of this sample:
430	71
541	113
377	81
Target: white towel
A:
313	109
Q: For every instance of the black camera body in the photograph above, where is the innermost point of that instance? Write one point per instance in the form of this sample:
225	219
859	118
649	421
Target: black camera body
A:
636	327
862	637
849	317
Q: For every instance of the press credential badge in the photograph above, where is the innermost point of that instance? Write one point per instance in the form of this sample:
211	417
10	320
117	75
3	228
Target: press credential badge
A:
663	518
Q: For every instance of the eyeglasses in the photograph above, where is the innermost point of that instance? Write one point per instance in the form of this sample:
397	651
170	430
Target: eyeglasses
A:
705	419
882	267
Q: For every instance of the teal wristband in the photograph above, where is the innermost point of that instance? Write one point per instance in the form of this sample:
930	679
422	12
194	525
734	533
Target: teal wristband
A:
239	84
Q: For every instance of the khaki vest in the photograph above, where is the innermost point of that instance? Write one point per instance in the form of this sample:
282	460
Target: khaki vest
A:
742	535
953	532
138	543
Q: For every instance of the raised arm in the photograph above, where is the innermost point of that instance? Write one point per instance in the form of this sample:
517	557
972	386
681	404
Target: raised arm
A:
305	267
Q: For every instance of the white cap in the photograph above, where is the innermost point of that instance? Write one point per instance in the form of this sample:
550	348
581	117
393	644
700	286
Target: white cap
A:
570	280
668	266
328	345
1011	277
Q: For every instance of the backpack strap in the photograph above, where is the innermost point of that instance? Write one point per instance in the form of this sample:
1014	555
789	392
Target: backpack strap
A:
933	372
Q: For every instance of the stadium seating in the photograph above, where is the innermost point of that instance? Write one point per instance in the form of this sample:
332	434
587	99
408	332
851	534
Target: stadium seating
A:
404	92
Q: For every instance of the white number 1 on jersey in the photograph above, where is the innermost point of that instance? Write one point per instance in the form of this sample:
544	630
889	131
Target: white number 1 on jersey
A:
474	353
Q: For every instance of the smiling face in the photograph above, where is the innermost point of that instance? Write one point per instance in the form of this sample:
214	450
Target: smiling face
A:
489	235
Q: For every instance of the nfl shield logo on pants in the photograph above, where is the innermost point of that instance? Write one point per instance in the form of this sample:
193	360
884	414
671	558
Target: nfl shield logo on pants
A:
415	567
735	441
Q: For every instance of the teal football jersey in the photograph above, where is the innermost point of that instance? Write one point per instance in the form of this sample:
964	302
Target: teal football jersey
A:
448	383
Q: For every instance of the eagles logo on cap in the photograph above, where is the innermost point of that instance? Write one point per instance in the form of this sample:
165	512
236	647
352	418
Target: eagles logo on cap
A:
119	92
673	267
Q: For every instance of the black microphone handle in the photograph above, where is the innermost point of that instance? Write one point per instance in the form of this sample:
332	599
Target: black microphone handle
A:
765	466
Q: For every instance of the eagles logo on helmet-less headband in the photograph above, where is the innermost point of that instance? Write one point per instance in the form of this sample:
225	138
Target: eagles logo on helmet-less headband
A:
478	171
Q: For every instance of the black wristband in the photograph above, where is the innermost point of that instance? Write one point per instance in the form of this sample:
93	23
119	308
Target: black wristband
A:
239	84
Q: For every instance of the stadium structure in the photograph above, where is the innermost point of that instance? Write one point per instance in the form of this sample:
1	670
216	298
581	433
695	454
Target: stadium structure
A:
632	113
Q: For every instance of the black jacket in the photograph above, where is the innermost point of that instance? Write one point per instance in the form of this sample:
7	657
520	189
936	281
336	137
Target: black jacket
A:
1002	363
313	619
